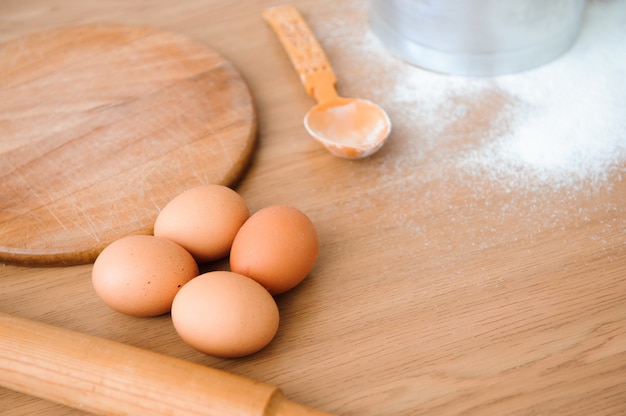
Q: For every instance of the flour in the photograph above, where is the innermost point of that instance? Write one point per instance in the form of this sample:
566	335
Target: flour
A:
562	124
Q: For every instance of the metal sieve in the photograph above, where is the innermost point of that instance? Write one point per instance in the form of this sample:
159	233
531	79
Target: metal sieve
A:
476	37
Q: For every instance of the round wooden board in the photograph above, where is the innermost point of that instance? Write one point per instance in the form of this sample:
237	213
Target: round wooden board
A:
100	126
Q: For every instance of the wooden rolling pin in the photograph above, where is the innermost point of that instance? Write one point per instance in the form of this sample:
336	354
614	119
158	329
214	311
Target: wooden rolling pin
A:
109	378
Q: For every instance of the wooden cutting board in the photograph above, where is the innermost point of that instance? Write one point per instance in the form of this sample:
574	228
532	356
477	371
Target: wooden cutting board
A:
100	126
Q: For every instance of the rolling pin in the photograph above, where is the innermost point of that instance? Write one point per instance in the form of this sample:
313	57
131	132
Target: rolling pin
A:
109	378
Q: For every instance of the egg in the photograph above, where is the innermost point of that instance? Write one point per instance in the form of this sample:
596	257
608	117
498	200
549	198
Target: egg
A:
139	275
225	314
204	220
277	247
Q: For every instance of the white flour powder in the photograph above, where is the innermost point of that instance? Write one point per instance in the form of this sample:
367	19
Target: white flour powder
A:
562	124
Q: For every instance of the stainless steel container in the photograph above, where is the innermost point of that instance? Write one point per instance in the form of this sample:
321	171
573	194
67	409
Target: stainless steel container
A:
476	37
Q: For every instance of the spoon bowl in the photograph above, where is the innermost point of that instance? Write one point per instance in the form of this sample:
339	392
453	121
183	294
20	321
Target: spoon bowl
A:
351	128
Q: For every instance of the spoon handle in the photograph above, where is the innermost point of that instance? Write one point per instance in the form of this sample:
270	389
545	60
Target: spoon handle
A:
305	52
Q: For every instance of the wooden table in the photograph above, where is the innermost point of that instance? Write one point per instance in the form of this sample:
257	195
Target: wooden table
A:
447	282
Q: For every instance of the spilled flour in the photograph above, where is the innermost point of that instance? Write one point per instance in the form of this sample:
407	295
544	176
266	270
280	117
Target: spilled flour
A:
562	124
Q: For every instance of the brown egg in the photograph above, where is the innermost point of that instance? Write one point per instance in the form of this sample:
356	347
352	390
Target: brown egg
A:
277	247
204	220
139	275
225	314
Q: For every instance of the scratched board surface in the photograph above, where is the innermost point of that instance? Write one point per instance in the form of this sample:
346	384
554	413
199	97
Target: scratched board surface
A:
100	126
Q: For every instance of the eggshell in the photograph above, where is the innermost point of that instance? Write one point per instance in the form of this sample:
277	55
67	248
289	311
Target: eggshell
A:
277	247
139	275
204	220
225	314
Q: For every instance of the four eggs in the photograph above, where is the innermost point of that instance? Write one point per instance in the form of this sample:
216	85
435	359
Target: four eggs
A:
222	313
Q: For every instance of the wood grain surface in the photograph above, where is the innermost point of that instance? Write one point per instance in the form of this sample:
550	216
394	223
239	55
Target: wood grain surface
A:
101	125
448	282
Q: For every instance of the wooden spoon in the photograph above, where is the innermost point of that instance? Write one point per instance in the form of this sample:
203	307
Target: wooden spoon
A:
348	127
